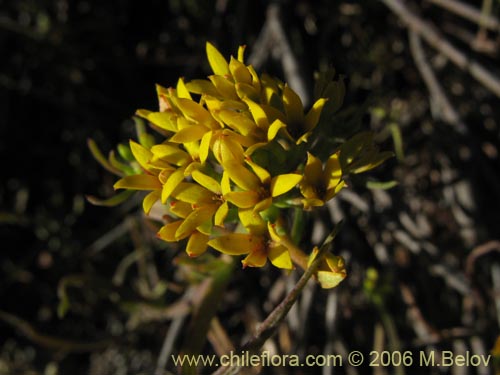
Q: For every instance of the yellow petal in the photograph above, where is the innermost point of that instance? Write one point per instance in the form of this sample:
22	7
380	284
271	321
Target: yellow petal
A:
274	129
241	53
195	112
202	87
206	181
182	91
293	106
167	232
283	183
241	176
263	204
194	220
328	279
141	154
225	183
180	209
192	193
237	121
252	221
221	214
245	90
242	199
189	134
314	114
164	120
330	193
205	227
280	257
257	258
193	149
313	171
258	114
263	175
312	202
270	88
236	243
165	174
149	200
197	244
226	150
170	153
171	184
273	114
271	228
255	78
138	182
333	172
225	88
217	62
239	71
205	146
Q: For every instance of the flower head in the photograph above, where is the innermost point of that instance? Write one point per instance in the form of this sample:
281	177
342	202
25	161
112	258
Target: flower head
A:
231	156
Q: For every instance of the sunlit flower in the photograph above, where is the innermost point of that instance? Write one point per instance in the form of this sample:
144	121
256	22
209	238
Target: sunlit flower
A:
319	184
257	248
258	188
331	270
225	163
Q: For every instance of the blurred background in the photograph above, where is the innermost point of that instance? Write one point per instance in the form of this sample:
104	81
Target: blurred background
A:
83	288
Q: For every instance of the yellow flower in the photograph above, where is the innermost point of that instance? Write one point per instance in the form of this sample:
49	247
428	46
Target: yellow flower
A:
198	206
233	80
331	270
258	248
300	126
320	185
150	180
225	165
280	102
192	224
258	188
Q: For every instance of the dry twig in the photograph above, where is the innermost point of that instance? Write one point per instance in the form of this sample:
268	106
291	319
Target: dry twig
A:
432	36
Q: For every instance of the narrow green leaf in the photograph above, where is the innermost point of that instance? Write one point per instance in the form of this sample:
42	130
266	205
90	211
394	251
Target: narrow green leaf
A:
382	185
397	138
110	202
101	159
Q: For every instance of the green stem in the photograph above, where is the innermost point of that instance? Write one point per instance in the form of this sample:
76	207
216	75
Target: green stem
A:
298	225
204	312
270	325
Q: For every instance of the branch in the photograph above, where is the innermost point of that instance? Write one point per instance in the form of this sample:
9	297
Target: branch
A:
440	43
470	13
437	95
273	38
271	324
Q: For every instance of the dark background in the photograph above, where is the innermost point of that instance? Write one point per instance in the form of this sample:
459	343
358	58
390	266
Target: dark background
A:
76	70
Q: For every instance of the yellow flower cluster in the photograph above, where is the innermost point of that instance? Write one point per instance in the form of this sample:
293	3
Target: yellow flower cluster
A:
231	157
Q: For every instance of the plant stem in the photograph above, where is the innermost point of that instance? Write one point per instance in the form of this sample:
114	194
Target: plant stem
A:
205	311
270	325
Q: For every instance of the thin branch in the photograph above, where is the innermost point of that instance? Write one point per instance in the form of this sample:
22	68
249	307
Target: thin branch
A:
440	43
468	12
273	320
168	344
442	105
273	38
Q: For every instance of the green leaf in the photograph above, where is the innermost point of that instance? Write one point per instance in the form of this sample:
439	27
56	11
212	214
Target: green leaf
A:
125	152
397	138
382	185
110	202
101	159
125	168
